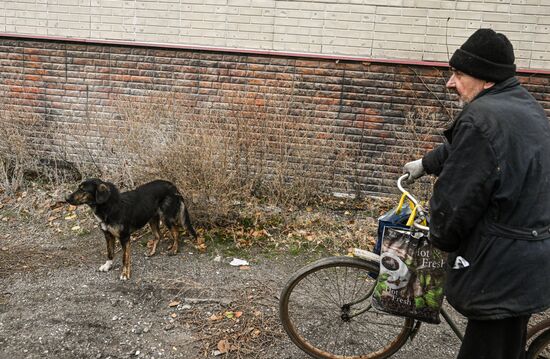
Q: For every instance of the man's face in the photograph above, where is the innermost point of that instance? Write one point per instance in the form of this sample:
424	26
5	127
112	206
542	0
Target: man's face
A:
466	86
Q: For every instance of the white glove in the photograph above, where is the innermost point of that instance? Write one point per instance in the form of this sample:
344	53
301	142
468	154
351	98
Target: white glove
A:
414	169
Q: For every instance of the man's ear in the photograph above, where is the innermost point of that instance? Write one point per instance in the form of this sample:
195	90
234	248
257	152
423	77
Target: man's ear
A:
488	85
102	193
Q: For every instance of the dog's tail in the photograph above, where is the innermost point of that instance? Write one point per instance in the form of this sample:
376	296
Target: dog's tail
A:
185	218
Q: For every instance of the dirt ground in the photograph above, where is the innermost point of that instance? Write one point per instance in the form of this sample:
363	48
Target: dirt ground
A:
54	303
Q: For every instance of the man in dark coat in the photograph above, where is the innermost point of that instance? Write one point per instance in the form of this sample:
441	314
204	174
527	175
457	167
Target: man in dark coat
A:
490	207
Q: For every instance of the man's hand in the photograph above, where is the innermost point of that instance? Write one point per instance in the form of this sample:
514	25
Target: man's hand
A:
414	169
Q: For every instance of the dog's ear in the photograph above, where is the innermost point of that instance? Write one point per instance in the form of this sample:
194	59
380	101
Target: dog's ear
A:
102	193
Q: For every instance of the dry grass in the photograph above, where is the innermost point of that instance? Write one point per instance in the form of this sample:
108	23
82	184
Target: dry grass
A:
16	148
219	157
421	130
28	150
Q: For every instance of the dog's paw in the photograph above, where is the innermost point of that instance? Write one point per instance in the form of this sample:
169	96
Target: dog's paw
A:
125	274
106	267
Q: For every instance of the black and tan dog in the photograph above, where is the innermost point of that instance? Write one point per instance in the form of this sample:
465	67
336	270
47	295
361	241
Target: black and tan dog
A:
120	214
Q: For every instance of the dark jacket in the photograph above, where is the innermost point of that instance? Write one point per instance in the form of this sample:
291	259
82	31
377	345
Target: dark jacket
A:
491	204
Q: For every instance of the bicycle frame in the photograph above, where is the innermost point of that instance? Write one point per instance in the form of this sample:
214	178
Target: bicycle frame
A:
420	210
422	214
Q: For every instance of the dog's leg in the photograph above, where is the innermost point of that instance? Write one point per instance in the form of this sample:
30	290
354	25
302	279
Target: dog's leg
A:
126	251
175	233
110	239
155	228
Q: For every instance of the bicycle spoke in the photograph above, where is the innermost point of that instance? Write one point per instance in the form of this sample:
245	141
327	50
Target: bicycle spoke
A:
364	343
322	291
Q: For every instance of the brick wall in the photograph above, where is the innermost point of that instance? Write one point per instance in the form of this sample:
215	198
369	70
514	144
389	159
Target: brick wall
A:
355	109
388	29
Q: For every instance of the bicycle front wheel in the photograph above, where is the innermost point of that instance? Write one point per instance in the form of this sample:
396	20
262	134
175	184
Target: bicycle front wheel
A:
325	308
540	347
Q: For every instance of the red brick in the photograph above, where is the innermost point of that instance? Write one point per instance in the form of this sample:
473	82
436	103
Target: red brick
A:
349	105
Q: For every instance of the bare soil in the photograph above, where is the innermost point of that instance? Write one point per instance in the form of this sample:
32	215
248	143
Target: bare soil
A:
54	303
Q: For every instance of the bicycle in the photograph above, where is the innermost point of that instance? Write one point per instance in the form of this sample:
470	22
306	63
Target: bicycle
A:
325	309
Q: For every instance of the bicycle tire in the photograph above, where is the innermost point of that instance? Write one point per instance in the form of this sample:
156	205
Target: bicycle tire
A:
540	346
316	312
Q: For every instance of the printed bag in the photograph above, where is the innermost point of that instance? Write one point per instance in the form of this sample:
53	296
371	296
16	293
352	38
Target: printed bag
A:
395	217
412	276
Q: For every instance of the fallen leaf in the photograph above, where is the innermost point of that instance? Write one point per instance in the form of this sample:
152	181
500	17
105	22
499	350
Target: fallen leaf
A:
173	315
202	248
174	303
224	346
69	217
238	314
215	317
310	238
258	233
75	228
229	315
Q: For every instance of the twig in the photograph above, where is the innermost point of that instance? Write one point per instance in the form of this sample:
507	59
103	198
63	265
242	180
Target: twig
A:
449	113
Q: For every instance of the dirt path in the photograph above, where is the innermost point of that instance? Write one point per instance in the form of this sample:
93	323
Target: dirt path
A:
55	304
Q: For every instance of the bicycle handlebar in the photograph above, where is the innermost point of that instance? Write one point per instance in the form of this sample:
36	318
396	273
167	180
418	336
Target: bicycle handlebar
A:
419	208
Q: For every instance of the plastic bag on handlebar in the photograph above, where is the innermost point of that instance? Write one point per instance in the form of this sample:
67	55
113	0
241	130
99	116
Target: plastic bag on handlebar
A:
398	216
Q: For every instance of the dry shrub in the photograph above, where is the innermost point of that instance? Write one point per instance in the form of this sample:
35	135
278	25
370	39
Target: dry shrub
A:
219	156
30	148
420	132
16	147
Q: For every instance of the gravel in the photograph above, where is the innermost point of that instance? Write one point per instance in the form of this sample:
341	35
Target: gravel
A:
54	303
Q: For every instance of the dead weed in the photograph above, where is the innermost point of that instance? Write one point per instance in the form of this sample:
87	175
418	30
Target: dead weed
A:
245	328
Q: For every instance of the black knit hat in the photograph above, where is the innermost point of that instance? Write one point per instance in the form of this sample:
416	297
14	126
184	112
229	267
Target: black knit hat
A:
486	55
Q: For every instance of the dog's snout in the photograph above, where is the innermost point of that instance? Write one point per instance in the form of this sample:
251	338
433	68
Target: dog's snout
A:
76	198
69	199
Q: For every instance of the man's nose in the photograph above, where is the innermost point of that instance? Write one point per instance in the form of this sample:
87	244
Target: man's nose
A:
451	82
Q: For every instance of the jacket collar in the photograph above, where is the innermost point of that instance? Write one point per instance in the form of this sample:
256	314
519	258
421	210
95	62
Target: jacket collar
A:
498	87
